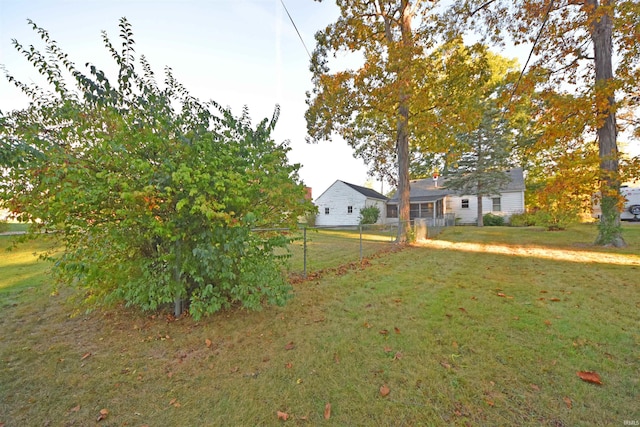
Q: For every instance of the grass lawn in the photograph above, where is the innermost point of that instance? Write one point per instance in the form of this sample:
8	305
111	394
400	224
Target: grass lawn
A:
479	327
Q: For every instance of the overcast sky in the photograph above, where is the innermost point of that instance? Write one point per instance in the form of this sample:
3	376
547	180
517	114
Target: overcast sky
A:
236	52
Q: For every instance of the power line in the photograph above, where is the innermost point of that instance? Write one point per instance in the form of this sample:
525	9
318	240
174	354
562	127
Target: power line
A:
296	28
535	42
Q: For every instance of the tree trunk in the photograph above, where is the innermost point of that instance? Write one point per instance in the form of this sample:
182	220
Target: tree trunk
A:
480	221
403	64
610	231
404	187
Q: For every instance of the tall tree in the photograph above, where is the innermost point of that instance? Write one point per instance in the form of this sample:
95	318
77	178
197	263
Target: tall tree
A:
371	106
152	192
481	169
561	32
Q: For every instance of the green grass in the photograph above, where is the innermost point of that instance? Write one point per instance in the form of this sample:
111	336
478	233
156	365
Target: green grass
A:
459	337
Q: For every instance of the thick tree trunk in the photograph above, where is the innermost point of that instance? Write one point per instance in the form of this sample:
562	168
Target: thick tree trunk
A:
610	232
402	143
404	188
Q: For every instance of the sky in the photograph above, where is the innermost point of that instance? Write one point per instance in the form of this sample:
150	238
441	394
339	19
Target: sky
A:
235	52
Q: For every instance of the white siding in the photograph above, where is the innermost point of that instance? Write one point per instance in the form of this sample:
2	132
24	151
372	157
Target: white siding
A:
511	202
337	198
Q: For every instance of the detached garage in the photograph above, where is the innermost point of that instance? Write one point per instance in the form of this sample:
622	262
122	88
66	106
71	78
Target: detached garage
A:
341	203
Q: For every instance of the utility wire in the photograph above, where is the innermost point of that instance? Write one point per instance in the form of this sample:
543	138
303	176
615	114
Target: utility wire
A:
535	42
296	28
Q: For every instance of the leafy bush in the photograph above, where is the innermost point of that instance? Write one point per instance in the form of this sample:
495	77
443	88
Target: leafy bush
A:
153	193
521	220
369	215
490	219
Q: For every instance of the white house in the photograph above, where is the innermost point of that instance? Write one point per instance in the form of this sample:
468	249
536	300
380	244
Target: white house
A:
340	204
431	199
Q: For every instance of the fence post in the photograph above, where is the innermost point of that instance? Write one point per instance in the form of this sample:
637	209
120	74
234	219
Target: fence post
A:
304	252
360	227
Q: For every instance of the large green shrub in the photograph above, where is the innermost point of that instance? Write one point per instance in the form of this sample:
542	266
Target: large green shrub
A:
153	193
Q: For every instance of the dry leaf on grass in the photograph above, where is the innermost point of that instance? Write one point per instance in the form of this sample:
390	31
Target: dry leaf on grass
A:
397	330
567	402
103	414
384	390
85	356
282	415
327	411
75	408
590	377
208	342
290	346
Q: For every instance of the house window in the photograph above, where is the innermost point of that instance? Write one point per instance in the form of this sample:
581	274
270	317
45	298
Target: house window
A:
392	211
496	204
465	204
349	209
326	211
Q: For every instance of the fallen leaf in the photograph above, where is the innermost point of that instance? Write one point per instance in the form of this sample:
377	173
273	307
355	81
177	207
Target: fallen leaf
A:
367	325
535	387
547	322
543	292
500	294
454	344
282	415
289	365
388	349
84	356
103	414
172	401
474	298
567	402
290	346
384	390
490	402
397	356
208	342
327	411
554	299
75	409
445	365
462	309
590	377
397	330
383	332
336	358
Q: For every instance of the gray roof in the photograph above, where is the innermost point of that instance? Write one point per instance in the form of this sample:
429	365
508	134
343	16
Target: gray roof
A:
367	192
425	190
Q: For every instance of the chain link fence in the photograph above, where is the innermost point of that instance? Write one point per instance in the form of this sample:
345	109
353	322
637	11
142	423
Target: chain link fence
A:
314	249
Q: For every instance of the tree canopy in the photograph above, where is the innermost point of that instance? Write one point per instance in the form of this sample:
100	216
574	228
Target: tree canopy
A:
574	44
153	193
